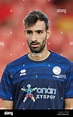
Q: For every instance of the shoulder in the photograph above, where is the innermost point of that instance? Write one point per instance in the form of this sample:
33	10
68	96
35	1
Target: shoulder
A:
61	61
17	62
60	58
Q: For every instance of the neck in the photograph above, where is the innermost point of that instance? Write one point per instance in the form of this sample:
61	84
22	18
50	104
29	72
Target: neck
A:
39	56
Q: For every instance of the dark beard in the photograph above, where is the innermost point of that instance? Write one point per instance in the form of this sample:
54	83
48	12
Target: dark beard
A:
36	49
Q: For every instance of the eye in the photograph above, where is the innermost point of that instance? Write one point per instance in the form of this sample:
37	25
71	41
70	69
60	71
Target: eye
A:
29	32
39	31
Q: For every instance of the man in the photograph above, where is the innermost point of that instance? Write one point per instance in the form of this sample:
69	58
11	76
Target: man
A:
40	79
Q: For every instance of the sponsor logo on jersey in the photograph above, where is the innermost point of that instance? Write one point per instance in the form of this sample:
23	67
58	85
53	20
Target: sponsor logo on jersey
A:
41	93
59	76
29	91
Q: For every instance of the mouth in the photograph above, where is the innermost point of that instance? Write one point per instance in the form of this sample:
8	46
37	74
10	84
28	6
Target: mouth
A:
34	44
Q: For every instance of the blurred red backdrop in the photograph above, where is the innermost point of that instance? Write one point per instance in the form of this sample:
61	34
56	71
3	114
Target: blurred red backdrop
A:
12	40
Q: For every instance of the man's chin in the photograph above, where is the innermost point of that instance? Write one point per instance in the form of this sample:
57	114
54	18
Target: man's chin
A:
35	50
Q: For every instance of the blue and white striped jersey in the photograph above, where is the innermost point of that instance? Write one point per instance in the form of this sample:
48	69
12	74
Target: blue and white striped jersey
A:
37	84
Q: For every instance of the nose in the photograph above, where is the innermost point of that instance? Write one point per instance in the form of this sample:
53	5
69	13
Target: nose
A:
33	38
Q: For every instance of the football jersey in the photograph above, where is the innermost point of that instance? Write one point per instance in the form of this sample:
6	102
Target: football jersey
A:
37	84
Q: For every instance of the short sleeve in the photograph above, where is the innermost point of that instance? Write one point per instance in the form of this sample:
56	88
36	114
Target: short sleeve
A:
6	88
69	83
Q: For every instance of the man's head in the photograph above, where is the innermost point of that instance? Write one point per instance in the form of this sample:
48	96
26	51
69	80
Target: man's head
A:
36	30
34	16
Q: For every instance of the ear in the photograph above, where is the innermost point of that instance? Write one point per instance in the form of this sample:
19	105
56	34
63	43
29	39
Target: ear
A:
24	30
49	31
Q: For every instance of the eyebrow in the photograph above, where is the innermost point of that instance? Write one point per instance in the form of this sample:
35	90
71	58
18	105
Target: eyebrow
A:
35	30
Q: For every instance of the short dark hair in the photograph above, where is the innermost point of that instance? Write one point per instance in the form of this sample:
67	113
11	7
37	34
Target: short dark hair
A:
35	15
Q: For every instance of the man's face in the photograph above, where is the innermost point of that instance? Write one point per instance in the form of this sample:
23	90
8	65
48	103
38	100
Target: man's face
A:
36	36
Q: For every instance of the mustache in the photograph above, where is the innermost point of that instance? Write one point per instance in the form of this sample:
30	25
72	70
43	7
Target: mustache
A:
34	42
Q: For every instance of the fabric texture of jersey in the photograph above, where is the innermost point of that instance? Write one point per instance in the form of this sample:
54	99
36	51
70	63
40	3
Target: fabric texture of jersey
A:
37	84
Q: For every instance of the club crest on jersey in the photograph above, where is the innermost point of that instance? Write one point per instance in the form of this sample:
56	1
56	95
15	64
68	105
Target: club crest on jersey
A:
56	70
